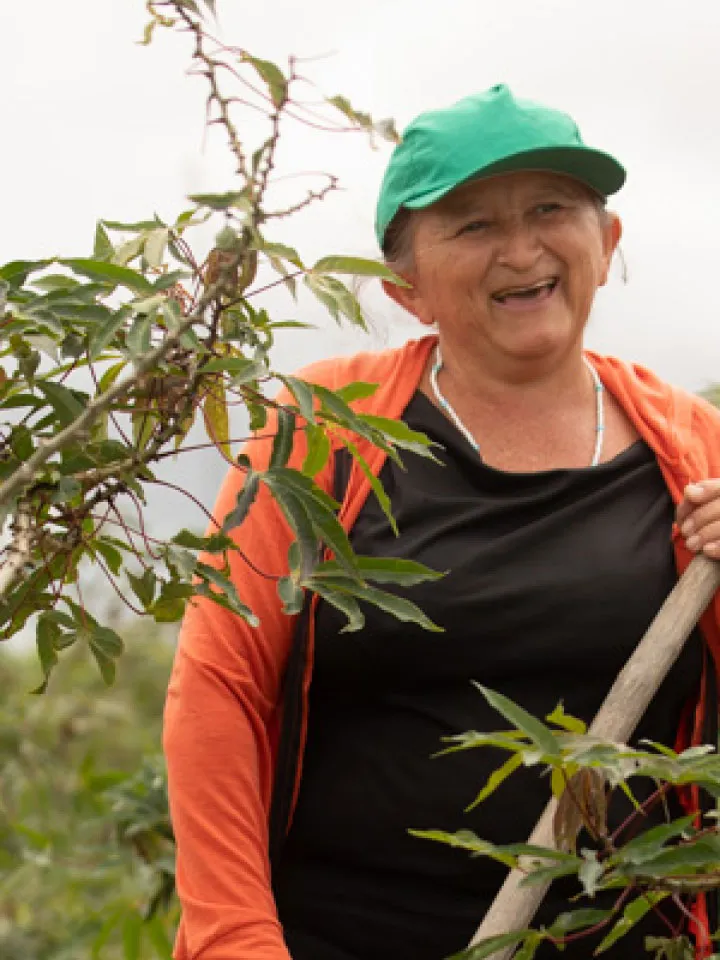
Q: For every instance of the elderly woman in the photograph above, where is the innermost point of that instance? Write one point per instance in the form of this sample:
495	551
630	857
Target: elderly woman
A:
553	510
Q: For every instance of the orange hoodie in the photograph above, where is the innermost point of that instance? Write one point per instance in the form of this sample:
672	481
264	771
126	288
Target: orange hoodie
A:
224	700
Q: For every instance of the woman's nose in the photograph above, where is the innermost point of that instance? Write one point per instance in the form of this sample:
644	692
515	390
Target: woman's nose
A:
520	247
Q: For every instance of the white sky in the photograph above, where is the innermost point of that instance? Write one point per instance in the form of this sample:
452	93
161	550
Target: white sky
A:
94	125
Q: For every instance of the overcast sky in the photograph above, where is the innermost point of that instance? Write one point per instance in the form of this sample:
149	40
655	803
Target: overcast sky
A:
94	125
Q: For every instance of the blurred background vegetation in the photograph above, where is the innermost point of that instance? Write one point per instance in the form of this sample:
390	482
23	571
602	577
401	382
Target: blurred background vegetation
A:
86	853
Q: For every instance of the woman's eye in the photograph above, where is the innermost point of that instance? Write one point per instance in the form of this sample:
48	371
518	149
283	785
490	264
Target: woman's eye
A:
474	226
550	207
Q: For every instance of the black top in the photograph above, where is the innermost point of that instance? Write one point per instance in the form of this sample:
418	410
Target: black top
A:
554	577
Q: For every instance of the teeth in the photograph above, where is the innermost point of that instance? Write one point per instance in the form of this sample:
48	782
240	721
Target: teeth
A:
521	291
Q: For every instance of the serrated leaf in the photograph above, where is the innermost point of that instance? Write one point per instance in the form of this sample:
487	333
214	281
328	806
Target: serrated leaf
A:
398	607
110	273
296	515
245	500
347	605
358	267
215	412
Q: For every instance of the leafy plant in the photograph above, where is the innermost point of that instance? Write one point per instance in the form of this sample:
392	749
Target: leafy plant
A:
108	361
645	867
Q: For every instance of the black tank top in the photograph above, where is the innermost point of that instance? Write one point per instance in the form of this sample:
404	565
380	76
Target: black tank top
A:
553	578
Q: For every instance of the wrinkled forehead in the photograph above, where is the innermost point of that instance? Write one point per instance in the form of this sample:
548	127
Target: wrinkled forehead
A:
511	189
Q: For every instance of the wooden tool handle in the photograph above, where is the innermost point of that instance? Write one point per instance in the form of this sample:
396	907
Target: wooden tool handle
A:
514	907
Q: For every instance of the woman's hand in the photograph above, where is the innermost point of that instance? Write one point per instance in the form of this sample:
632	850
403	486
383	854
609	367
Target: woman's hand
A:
698	517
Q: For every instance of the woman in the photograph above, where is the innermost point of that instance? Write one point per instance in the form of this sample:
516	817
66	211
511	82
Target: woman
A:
553	513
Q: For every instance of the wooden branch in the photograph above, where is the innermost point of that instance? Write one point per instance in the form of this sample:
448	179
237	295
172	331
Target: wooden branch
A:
19	549
515	906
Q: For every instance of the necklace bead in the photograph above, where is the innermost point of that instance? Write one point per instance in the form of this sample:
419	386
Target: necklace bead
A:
445	405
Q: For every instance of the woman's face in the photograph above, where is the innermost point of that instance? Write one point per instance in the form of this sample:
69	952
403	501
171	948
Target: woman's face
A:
509	265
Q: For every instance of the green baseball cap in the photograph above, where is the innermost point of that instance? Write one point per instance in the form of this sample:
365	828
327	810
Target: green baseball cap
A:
482	136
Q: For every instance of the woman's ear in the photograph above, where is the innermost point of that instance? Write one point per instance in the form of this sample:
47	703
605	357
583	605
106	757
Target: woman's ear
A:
407	297
612	232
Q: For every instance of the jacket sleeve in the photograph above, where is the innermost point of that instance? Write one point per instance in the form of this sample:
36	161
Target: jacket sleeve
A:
220	722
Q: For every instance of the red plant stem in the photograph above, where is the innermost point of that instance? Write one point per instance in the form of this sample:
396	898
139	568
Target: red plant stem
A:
644	808
136	610
581	934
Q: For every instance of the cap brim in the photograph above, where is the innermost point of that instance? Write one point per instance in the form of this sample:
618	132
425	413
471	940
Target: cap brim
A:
597	170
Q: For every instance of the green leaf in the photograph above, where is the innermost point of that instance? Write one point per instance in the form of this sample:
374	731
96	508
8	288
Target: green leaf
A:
47	633
143	586
304	396
104	333
398	607
138	337
170	605
577	920
131	935
496	778
358	267
567	722
406	573
112	557
336	297
632	914
154	249
279	251
284	438
296	515
66	405
16	272
273	77
217	422
400	434
537	732
648	844
292	596
156	934
245	500
228	595
103	248
318	450
221	201
489	947
347	605
375	484
356	391
109	273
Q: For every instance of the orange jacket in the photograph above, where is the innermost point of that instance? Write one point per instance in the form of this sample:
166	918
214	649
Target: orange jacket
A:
223	707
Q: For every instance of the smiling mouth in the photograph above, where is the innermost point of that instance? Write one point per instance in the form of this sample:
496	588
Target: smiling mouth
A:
532	291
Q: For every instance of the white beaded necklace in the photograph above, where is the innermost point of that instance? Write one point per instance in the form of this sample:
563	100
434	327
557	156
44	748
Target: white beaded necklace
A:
445	405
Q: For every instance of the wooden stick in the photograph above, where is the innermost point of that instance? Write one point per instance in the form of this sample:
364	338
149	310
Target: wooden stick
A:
515	906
